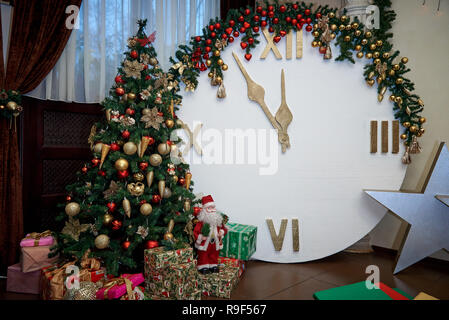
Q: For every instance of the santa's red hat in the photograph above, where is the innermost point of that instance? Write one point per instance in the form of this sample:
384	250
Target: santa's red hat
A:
208	201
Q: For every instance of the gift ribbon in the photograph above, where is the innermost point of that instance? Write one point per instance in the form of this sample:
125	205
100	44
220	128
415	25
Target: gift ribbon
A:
37	236
118	282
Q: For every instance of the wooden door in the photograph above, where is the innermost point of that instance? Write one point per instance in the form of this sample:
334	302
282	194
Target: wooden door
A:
53	147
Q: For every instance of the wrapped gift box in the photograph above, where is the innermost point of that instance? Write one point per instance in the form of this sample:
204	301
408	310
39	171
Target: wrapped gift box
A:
37	239
220	284
239	242
196	295
22	282
36	258
177	281
118	287
236	263
158	258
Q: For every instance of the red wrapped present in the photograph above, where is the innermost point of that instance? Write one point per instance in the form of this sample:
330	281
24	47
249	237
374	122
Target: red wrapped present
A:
117	287
22	282
236	263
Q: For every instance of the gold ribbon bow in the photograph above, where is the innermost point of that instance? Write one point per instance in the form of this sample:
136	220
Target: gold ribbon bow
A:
118	282
37	236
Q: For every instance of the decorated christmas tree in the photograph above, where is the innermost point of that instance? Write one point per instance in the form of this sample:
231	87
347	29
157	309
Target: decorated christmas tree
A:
136	192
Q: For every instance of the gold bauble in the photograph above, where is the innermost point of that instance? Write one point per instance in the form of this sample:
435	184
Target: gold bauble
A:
153	61
360	55
146	209
413	129
422	131
370	82
398	100
376	54
404	60
163	149
342	27
121	164
131	96
348	27
377	61
169	123
369	55
175	179
224	67
403	136
343	18
372	47
406	124
220	62
102	241
167	193
168	236
314	44
146	111
422	120
316	34
217	53
139	177
379	43
98	147
155	160
11	105
315	26
392	98
396	67
210	74
386	55
358	33
219	79
333	36
331	15
107	219
72	209
399	81
334	27
392	73
2	107
320	43
130	148
347	38
355	25
208	62
368	34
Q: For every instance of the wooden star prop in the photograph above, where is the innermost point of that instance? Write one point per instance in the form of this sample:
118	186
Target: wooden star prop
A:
427	213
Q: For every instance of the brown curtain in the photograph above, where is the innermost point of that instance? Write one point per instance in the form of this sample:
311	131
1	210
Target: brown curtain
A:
38	37
225	5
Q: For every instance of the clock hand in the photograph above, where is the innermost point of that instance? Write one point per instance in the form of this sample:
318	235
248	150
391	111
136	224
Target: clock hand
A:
284	117
256	93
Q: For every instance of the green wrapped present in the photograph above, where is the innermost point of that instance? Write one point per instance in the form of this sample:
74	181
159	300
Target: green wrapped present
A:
177	281
239	242
220	284
158	258
195	296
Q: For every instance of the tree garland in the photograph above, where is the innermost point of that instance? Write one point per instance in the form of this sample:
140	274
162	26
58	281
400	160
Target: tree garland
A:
326	25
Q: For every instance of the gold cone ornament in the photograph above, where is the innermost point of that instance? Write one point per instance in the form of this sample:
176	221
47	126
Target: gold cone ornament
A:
150	178
161	188
187	205
143	145
188	178
108	115
172	108
104	153
168	236
127	207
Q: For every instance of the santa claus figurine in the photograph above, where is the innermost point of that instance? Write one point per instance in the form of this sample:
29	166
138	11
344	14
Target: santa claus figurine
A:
208	234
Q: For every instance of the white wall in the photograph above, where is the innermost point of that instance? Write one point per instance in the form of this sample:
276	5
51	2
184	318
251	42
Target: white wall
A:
422	35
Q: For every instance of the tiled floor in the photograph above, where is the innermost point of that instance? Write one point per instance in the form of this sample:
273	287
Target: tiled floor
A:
299	281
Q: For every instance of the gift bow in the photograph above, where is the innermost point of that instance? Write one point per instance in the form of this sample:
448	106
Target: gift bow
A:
118	282
37	236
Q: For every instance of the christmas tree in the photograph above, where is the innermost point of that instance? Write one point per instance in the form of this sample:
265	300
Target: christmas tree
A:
136	192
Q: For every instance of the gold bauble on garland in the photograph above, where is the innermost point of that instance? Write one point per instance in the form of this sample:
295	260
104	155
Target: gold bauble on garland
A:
169	123
406	124
146	209
130	148
102	241
98	147
422	120
121	164
72	209
11	105
155	160
107	219
163	149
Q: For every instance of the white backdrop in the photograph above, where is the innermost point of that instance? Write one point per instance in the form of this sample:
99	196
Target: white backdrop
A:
321	178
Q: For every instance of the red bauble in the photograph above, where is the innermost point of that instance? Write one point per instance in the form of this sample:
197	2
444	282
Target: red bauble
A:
309	20
228	30
275	20
263	13
84	170
101	173
247	12
224	36
95	162
294	22
246	25
115	147
203	67
244	45
277	39
150	244
68	198
125	245
256	29
119	79
143	202
256	18
134	54
241	19
196	210
259	9
123	174
206	56
217	26
125	134
323	50
213	34
116	225
231	39
263	24
111	207
299	16
143	166
302	21
120	91
150	140
208	42
197	38
309	28
231	23
208	49
295	6
251	40
271	29
307	12
318	15
130	111
156	198
248	56
148	78
242	30
236	34
270	14
270	8
181	181
288	19
211	27
283	33
282	9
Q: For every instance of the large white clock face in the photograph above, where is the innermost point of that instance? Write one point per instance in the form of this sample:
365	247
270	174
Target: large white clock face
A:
320	179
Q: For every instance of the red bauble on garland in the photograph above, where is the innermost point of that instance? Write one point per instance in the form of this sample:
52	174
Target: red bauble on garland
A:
125	245
119	80
150	244
111	207
123	174
156	199
116	225
115	147
130	111
248	56
84	170
95	162
101	173
126	134
120	91
307	12
196	211
134	54
143	166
